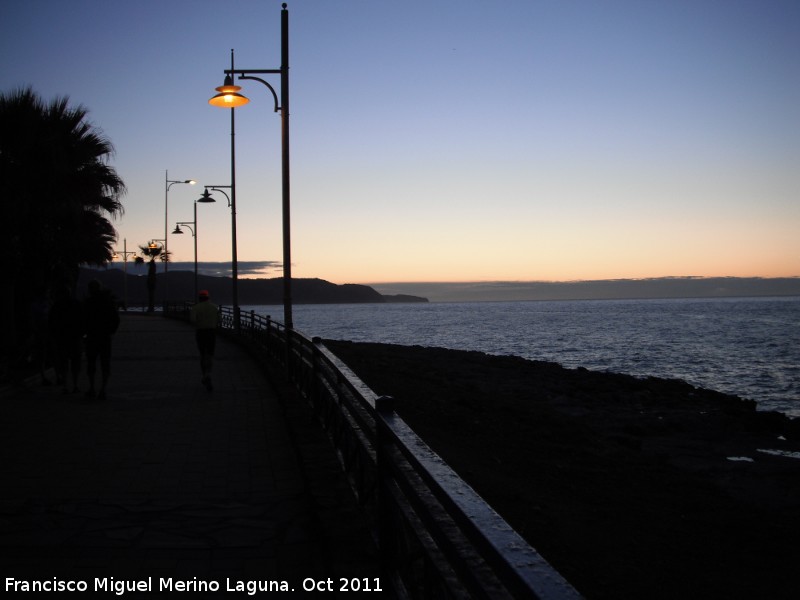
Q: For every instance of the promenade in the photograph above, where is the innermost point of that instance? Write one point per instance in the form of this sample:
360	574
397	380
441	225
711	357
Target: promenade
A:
164	479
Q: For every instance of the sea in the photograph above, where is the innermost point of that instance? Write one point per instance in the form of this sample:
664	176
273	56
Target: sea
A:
748	347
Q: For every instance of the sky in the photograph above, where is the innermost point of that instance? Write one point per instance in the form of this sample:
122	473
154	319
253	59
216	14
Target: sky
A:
446	140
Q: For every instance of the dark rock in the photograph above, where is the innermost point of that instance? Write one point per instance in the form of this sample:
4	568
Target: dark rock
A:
623	484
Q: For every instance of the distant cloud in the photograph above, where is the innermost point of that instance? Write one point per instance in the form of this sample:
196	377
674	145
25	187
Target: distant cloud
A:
247	268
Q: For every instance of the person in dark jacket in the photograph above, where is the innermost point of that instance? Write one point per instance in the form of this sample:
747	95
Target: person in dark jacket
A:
101	321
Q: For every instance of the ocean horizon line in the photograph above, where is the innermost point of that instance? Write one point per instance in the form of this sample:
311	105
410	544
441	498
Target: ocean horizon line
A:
665	287
600	289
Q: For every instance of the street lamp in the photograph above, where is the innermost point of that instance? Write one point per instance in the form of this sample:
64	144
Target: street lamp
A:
206	197
228	97
152	250
228	90
125	255
168	183
192	225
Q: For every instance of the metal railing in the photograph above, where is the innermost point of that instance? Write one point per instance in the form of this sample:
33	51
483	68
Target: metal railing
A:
437	537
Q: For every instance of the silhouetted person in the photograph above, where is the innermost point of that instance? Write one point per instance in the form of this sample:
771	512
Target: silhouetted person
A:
205	316
102	321
66	330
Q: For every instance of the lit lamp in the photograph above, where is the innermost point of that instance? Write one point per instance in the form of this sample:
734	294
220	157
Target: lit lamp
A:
154	249
229	96
125	254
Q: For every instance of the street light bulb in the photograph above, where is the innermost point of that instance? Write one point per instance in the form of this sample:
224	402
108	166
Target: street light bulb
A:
228	97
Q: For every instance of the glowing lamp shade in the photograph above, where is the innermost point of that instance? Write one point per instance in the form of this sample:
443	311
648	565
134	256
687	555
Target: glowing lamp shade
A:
228	96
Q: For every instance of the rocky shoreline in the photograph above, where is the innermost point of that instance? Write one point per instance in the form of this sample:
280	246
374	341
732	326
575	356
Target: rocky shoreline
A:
631	488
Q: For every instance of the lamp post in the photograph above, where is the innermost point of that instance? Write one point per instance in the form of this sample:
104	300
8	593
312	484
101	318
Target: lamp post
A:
206	197
153	250
192	225
168	183
232	90
228	97
125	255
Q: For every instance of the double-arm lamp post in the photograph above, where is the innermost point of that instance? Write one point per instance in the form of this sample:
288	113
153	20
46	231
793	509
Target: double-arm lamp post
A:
206	197
192	225
125	254
168	183
228	97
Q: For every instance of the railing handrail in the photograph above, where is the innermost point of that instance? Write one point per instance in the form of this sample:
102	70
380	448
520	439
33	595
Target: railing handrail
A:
405	483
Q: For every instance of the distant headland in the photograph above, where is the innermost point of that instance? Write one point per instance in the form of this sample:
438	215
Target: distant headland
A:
251	291
320	291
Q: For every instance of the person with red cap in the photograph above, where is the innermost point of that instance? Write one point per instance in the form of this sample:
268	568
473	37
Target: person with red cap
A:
205	316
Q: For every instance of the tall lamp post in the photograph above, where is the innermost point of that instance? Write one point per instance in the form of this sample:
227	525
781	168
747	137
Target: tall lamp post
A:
231	89
206	197
153	250
192	225
168	183
125	255
228	97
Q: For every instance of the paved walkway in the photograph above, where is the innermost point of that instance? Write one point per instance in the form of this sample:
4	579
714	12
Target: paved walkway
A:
164	479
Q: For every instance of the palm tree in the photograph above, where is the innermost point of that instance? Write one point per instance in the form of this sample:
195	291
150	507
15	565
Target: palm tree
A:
60	193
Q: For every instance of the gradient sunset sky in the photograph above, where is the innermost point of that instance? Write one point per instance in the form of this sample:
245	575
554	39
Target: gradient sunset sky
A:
447	140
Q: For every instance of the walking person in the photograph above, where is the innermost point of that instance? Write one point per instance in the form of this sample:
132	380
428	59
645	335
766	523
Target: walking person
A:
205	316
101	322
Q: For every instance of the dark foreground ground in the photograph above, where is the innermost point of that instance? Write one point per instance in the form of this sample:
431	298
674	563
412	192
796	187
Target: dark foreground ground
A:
625	485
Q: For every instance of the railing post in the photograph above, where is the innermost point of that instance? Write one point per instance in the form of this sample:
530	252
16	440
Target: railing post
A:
291	370
268	338
315	374
387	542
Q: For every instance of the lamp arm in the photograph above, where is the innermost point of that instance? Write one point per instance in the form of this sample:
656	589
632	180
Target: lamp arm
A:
271	89
217	189
186	224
